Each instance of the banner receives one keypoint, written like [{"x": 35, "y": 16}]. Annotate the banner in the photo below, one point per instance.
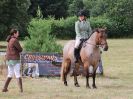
[{"x": 42, "y": 64}]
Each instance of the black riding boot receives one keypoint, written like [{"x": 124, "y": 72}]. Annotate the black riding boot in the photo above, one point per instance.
[{"x": 76, "y": 54}]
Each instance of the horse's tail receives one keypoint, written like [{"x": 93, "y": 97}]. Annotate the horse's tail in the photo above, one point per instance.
[{"x": 65, "y": 68}]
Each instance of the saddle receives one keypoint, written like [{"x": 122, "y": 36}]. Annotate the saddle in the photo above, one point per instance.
[
  {"x": 77, "y": 55},
  {"x": 79, "y": 49}
]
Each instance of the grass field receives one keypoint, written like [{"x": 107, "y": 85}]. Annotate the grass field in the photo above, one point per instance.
[{"x": 117, "y": 82}]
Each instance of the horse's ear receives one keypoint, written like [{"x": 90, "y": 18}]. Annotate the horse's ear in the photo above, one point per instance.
[{"x": 97, "y": 30}]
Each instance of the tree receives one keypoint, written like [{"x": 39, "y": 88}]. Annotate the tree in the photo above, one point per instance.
[
  {"x": 13, "y": 13},
  {"x": 96, "y": 7},
  {"x": 56, "y": 8},
  {"x": 75, "y": 6},
  {"x": 40, "y": 39},
  {"x": 121, "y": 12},
  {"x": 32, "y": 10}
]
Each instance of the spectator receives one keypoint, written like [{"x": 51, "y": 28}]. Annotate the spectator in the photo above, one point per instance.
[{"x": 13, "y": 59}]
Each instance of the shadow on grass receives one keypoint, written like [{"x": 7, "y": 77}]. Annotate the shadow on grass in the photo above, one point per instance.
[
  {"x": 108, "y": 77},
  {"x": 118, "y": 87}
]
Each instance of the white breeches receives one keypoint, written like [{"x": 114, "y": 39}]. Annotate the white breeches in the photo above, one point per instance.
[
  {"x": 14, "y": 69},
  {"x": 77, "y": 43}
]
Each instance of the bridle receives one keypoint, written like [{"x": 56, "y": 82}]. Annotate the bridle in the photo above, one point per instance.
[{"x": 96, "y": 45}]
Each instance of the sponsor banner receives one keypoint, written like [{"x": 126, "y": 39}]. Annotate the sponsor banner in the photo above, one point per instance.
[{"x": 49, "y": 64}]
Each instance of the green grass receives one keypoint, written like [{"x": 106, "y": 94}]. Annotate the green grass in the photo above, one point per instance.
[{"x": 115, "y": 84}]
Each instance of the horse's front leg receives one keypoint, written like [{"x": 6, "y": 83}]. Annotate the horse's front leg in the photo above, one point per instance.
[
  {"x": 87, "y": 80},
  {"x": 65, "y": 79},
  {"x": 86, "y": 74},
  {"x": 76, "y": 81},
  {"x": 94, "y": 76},
  {"x": 75, "y": 75}
]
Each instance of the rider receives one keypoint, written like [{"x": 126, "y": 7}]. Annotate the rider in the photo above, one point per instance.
[{"x": 83, "y": 30}]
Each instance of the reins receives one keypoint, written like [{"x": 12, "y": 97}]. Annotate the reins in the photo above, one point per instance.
[
  {"x": 94, "y": 44},
  {"x": 91, "y": 44},
  {"x": 97, "y": 45}
]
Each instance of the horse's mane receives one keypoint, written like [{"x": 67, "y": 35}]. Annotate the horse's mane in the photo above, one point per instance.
[
  {"x": 93, "y": 31},
  {"x": 97, "y": 30}
]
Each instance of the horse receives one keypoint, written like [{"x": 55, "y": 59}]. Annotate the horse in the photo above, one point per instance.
[{"x": 89, "y": 56}]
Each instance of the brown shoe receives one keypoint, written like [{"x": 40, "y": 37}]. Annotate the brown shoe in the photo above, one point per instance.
[{"x": 6, "y": 84}]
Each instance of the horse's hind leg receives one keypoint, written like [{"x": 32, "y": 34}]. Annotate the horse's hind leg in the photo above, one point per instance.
[
  {"x": 65, "y": 78},
  {"x": 65, "y": 70},
  {"x": 94, "y": 76}
]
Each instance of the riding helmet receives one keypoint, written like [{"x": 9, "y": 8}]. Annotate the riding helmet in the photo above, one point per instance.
[{"x": 81, "y": 13}]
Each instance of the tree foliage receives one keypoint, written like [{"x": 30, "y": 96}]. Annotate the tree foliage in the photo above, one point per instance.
[
  {"x": 56, "y": 8},
  {"x": 121, "y": 12},
  {"x": 13, "y": 14},
  {"x": 40, "y": 39},
  {"x": 75, "y": 6}
]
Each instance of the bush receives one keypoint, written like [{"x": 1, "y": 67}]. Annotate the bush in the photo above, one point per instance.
[
  {"x": 115, "y": 29},
  {"x": 64, "y": 28},
  {"x": 102, "y": 22},
  {"x": 43, "y": 32},
  {"x": 40, "y": 39}
]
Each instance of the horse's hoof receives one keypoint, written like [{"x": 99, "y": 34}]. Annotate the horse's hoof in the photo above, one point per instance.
[
  {"x": 4, "y": 90},
  {"x": 71, "y": 74},
  {"x": 94, "y": 87},
  {"x": 87, "y": 86},
  {"x": 77, "y": 85},
  {"x": 65, "y": 83}
]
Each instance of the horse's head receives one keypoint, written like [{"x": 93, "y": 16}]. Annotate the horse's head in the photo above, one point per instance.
[{"x": 101, "y": 38}]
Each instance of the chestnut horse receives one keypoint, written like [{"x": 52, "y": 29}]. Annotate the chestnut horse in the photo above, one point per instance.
[{"x": 90, "y": 56}]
